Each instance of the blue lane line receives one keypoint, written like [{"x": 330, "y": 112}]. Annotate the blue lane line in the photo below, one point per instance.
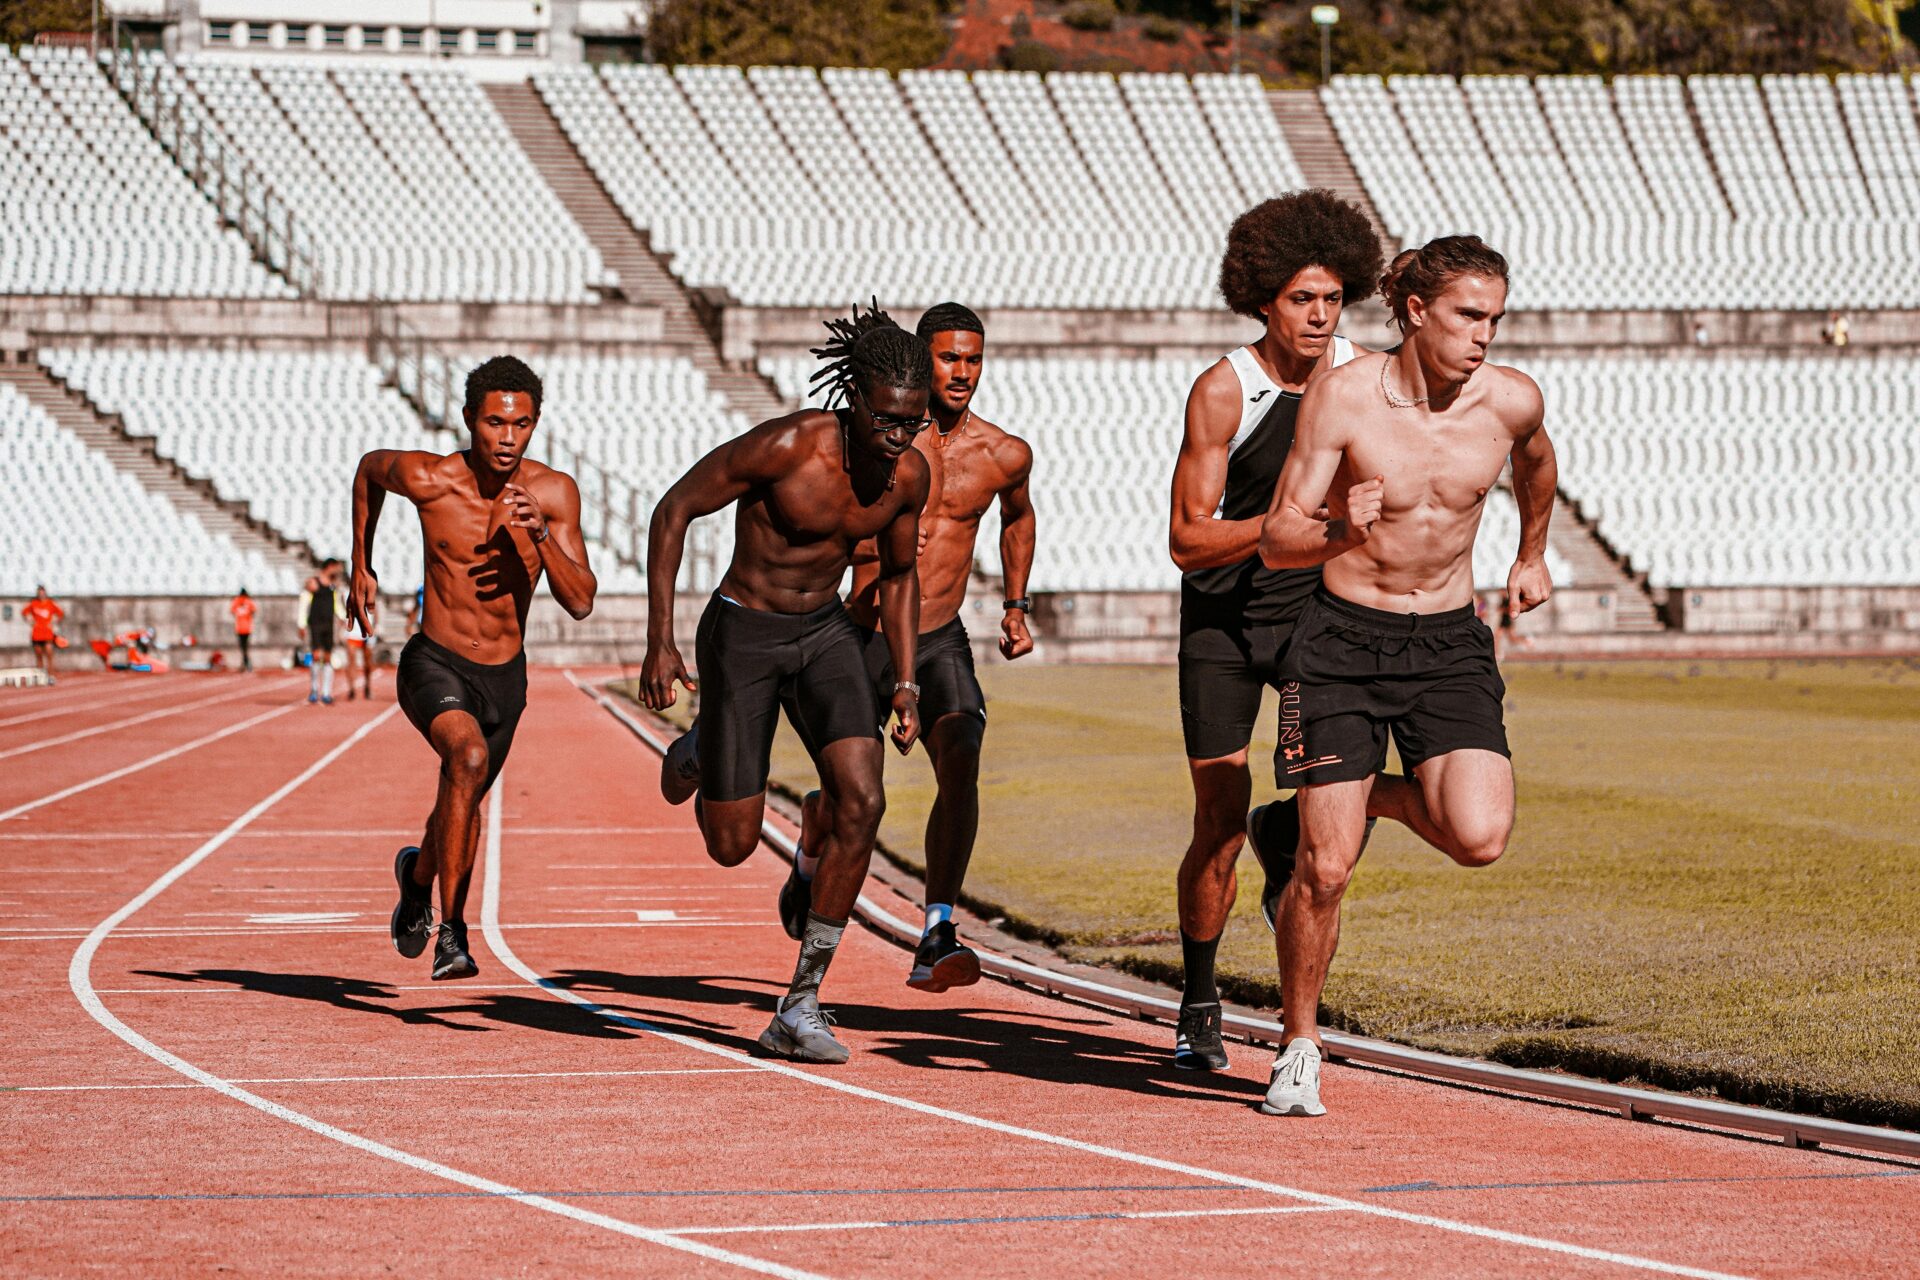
[
  {"x": 1636, "y": 1182},
  {"x": 597, "y": 1195}
]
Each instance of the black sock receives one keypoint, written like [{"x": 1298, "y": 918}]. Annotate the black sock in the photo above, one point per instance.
[{"x": 1198, "y": 958}]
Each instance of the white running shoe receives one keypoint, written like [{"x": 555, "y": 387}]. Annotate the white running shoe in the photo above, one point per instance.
[
  {"x": 803, "y": 1032},
  {"x": 1295, "y": 1090}
]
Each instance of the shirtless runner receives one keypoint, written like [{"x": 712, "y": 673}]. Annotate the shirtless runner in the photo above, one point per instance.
[
  {"x": 807, "y": 489},
  {"x": 972, "y": 465},
  {"x": 1403, "y": 447},
  {"x": 493, "y": 522}
]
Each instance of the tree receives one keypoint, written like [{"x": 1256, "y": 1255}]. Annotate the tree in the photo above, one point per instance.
[
  {"x": 22, "y": 20},
  {"x": 815, "y": 33}
]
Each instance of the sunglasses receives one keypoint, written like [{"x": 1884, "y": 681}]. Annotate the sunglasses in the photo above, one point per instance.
[{"x": 885, "y": 422}]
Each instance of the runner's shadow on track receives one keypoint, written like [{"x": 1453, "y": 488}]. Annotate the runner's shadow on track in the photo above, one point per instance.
[
  {"x": 534, "y": 1013},
  {"x": 1059, "y": 1049},
  {"x": 667, "y": 990}
]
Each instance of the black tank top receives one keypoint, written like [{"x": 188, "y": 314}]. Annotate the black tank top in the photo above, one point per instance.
[
  {"x": 1249, "y": 593},
  {"x": 320, "y": 614}
]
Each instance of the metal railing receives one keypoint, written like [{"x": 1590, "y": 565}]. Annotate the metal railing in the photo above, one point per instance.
[
  {"x": 244, "y": 198},
  {"x": 613, "y": 512}
]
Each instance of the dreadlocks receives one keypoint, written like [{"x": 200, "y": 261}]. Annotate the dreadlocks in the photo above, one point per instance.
[{"x": 868, "y": 351}]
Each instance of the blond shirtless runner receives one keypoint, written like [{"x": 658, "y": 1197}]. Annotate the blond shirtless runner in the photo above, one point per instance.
[
  {"x": 1403, "y": 448},
  {"x": 973, "y": 464}
]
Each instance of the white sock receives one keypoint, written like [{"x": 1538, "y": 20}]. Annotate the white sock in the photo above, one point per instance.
[
  {"x": 805, "y": 863},
  {"x": 326, "y": 679},
  {"x": 937, "y": 913}
]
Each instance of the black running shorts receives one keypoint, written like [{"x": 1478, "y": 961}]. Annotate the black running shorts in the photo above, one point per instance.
[
  {"x": 942, "y": 667},
  {"x": 1354, "y": 674},
  {"x": 432, "y": 679},
  {"x": 1225, "y": 665},
  {"x": 750, "y": 662}
]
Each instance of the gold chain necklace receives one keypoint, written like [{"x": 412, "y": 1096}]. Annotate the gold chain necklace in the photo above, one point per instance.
[{"x": 1394, "y": 401}]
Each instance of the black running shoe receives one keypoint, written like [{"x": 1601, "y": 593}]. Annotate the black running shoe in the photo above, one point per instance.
[
  {"x": 680, "y": 767},
  {"x": 450, "y": 958},
  {"x": 1273, "y": 834},
  {"x": 1196, "y": 1041},
  {"x": 941, "y": 962},
  {"x": 796, "y": 899},
  {"x": 412, "y": 922}
]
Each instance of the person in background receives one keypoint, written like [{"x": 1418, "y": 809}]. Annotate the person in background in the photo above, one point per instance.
[
  {"x": 323, "y": 608},
  {"x": 243, "y": 609},
  {"x": 45, "y": 614},
  {"x": 359, "y": 657}
]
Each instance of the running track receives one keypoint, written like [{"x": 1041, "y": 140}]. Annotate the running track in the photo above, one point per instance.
[{"x": 214, "y": 1060}]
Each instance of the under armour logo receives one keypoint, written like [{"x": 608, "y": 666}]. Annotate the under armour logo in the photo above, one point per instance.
[
  {"x": 1294, "y": 753},
  {"x": 1262, "y": 396}
]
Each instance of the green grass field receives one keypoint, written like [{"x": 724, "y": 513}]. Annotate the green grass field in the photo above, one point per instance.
[{"x": 1714, "y": 881}]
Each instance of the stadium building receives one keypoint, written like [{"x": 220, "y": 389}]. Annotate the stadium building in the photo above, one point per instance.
[{"x": 241, "y": 242}]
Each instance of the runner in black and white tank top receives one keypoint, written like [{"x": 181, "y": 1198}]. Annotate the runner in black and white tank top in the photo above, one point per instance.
[{"x": 1249, "y": 592}]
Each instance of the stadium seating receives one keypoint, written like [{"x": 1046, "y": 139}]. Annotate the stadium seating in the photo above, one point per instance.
[
  {"x": 1104, "y": 435},
  {"x": 85, "y": 528},
  {"x": 788, "y": 187},
  {"x": 1605, "y": 199},
  {"x": 1732, "y": 471},
  {"x": 409, "y": 184},
  {"x": 90, "y": 203}
]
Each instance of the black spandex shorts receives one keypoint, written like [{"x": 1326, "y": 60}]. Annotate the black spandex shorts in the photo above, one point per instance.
[
  {"x": 1225, "y": 665},
  {"x": 432, "y": 678},
  {"x": 1355, "y": 673},
  {"x": 942, "y": 667},
  {"x": 750, "y": 662}
]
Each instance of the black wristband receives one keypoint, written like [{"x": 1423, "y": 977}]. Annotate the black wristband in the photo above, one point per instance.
[{"x": 1024, "y": 604}]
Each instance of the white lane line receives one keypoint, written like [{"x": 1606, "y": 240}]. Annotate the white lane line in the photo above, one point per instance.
[
  {"x": 246, "y": 991},
  {"x": 55, "y": 933},
  {"x": 50, "y": 712},
  {"x": 476, "y": 1075},
  {"x": 1112, "y": 1215},
  {"x": 80, "y": 979},
  {"x": 365, "y": 833},
  {"x": 160, "y": 758},
  {"x": 163, "y": 713},
  {"x": 496, "y": 940}
]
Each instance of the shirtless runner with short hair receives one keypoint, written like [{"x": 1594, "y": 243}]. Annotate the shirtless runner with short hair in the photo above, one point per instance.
[
  {"x": 807, "y": 489},
  {"x": 1404, "y": 447},
  {"x": 973, "y": 464},
  {"x": 493, "y": 521}
]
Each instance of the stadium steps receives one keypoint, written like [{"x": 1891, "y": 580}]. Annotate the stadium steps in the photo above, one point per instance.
[
  {"x": 1706, "y": 147},
  {"x": 1594, "y": 564},
  {"x": 106, "y": 434},
  {"x": 644, "y": 278},
  {"x": 1317, "y": 150}
]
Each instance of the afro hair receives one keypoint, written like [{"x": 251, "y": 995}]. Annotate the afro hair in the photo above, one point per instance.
[{"x": 1275, "y": 240}]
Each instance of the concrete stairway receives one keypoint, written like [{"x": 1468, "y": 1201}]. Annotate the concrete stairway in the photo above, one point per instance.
[
  {"x": 154, "y": 472},
  {"x": 1318, "y": 151},
  {"x": 644, "y": 278},
  {"x": 1595, "y": 565}
]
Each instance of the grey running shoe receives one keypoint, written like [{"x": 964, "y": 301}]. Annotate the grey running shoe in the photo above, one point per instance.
[
  {"x": 1196, "y": 1042},
  {"x": 941, "y": 962},
  {"x": 680, "y": 767},
  {"x": 1295, "y": 1087},
  {"x": 450, "y": 958},
  {"x": 412, "y": 923},
  {"x": 796, "y": 899},
  {"x": 803, "y": 1032},
  {"x": 1273, "y": 834}
]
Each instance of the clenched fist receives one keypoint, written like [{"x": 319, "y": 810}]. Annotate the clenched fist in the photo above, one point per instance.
[{"x": 1363, "y": 508}]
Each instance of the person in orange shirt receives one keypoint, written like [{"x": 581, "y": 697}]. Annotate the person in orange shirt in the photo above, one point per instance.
[
  {"x": 43, "y": 613},
  {"x": 243, "y": 610}
]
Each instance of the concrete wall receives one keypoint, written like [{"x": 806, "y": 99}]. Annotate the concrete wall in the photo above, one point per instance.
[
  {"x": 1786, "y": 610},
  {"x": 56, "y": 321}
]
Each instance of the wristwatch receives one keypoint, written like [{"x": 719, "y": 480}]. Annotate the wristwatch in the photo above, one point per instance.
[
  {"x": 1024, "y": 604},
  {"x": 545, "y": 533},
  {"x": 909, "y": 686}
]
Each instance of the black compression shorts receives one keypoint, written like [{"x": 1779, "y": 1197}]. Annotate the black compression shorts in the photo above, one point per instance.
[
  {"x": 750, "y": 662},
  {"x": 1225, "y": 665},
  {"x": 432, "y": 679},
  {"x": 942, "y": 667},
  {"x": 1355, "y": 673}
]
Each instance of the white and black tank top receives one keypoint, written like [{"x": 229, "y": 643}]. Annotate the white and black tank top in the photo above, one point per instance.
[{"x": 1249, "y": 591}]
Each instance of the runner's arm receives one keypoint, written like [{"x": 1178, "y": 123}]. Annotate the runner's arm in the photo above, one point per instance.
[
  {"x": 1536, "y": 477},
  {"x": 899, "y": 589},
  {"x": 380, "y": 472},
  {"x": 1197, "y": 539},
  {"x": 1293, "y": 534},
  {"x": 562, "y": 549},
  {"x": 1017, "y": 530}
]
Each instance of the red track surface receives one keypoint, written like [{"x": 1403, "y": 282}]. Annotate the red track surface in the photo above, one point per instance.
[{"x": 239, "y": 1073}]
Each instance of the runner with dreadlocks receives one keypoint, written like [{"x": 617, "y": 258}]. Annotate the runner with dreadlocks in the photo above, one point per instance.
[{"x": 807, "y": 489}]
